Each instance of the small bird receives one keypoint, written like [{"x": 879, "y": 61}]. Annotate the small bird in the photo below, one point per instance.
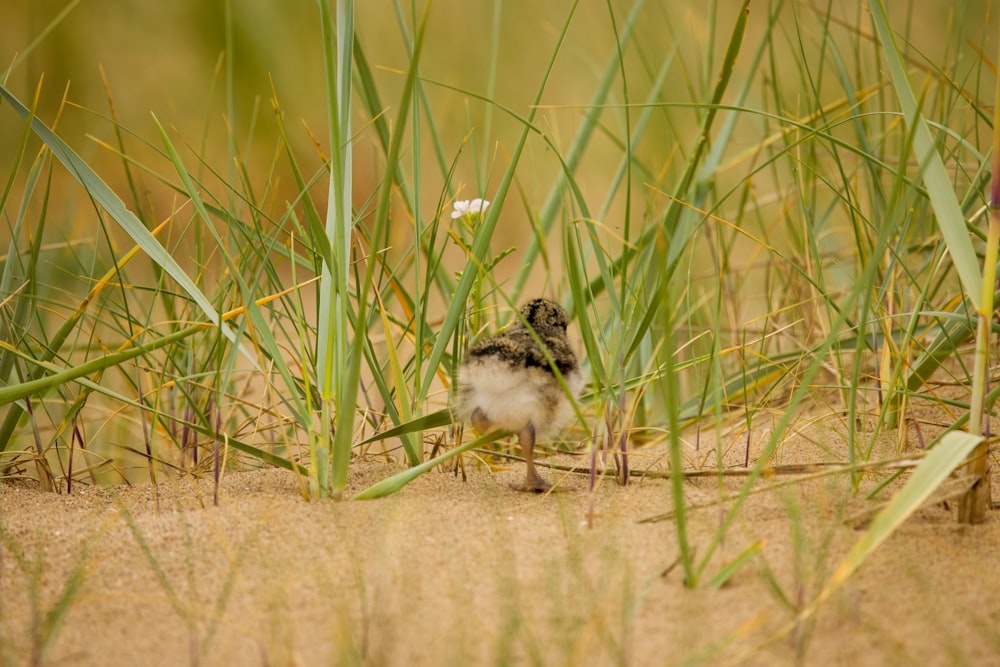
[{"x": 507, "y": 382}]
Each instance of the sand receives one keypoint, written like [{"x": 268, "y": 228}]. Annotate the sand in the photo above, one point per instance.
[{"x": 461, "y": 572}]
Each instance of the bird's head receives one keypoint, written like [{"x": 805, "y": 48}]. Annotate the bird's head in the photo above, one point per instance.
[{"x": 543, "y": 315}]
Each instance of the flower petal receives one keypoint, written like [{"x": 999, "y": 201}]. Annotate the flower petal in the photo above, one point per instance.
[{"x": 461, "y": 207}]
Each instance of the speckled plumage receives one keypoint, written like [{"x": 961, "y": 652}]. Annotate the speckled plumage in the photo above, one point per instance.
[{"x": 507, "y": 382}]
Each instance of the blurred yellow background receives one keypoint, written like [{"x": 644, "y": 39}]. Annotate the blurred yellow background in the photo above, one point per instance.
[{"x": 168, "y": 59}]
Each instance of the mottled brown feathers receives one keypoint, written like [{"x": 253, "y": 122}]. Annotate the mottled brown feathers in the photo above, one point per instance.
[{"x": 518, "y": 347}]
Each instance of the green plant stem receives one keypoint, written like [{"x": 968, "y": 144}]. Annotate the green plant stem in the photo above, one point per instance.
[
  {"x": 975, "y": 503},
  {"x": 332, "y": 339}
]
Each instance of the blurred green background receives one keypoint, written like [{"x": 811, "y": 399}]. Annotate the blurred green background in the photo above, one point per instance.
[{"x": 167, "y": 58}]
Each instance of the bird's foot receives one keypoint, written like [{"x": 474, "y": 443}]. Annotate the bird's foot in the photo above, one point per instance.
[{"x": 539, "y": 485}]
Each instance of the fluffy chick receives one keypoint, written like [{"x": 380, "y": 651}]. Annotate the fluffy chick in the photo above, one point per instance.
[{"x": 507, "y": 382}]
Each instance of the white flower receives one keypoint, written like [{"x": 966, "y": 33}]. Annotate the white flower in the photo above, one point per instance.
[{"x": 466, "y": 207}]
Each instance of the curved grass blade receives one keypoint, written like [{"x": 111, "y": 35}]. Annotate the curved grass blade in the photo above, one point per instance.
[
  {"x": 947, "y": 211},
  {"x": 393, "y": 484},
  {"x": 110, "y": 202},
  {"x": 9, "y": 423},
  {"x": 434, "y": 420},
  {"x": 733, "y": 566},
  {"x": 939, "y": 463},
  {"x": 61, "y": 376}
]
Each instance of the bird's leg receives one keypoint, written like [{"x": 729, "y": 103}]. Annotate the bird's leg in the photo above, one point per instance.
[
  {"x": 480, "y": 421},
  {"x": 533, "y": 482}
]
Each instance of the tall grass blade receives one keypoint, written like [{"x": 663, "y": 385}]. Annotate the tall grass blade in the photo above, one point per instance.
[
  {"x": 669, "y": 253},
  {"x": 333, "y": 333},
  {"x": 127, "y": 220},
  {"x": 975, "y": 503},
  {"x": 58, "y": 376},
  {"x": 939, "y": 463},
  {"x": 947, "y": 211},
  {"x": 343, "y": 438}
]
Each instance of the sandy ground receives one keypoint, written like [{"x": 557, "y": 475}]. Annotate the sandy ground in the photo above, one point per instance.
[{"x": 453, "y": 572}]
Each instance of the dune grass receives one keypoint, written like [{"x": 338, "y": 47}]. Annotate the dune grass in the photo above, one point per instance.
[{"x": 778, "y": 212}]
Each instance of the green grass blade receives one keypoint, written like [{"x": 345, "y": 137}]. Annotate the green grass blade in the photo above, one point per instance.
[
  {"x": 437, "y": 419},
  {"x": 332, "y": 337},
  {"x": 948, "y": 212},
  {"x": 733, "y": 566},
  {"x": 57, "y": 377},
  {"x": 115, "y": 207},
  {"x": 393, "y": 484},
  {"x": 343, "y": 439},
  {"x": 939, "y": 463}
]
